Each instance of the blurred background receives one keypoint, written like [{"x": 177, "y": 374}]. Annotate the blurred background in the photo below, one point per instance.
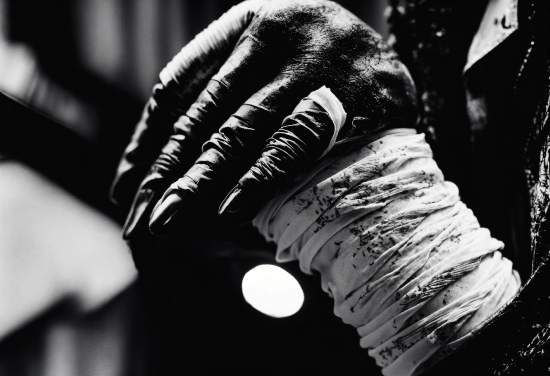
[{"x": 76, "y": 75}]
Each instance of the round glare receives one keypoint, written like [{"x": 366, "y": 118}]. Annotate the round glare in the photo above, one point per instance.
[{"x": 272, "y": 291}]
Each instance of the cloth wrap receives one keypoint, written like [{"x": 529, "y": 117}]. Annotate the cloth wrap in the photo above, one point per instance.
[{"x": 406, "y": 262}]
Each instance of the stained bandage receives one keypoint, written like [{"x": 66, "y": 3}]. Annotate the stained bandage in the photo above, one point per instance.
[
  {"x": 405, "y": 260},
  {"x": 333, "y": 107}
]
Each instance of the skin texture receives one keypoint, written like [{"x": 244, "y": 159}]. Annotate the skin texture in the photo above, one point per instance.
[{"x": 229, "y": 90}]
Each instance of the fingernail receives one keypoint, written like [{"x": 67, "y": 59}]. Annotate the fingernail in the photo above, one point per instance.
[
  {"x": 232, "y": 202},
  {"x": 141, "y": 204},
  {"x": 164, "y": 212}
]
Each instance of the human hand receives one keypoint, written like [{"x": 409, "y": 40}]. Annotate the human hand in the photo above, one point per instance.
[{"x": 227, "y": 92}]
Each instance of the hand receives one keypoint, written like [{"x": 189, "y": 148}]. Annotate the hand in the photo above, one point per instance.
[{"x": 227, "y": 92}]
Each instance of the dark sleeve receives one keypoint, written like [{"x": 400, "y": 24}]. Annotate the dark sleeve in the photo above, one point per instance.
[
  {"x": 434, "y": 48},
  {"x": 432, "y": 39}
]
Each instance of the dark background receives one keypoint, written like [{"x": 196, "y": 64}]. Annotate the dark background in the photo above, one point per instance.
[{"x": 100, "y": 59}]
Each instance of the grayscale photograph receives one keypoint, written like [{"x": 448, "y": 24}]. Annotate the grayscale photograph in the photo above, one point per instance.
[{"x": 275, "y": 187}]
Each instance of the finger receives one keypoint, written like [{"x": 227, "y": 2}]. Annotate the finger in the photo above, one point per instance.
[
  {"x": 227, "y": 156},
  {"x": 181, "y": 81},
  {"x": 249, "y": 67},
  {"x": 304, "y": 137}
]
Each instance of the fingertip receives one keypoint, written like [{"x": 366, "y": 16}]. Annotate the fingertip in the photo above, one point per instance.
[
  {"x": 139, "y": 209},
  {"x": 126, "y": 184},
  {"x": 231, "y": 204},
  {"x": 243, "y": 202},
  {"x": 163, "y": 213}
]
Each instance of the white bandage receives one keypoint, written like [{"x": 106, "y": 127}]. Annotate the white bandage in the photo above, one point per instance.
[
  {"x": 332, "y": 105},
  {"x": 406, "y": 262}
]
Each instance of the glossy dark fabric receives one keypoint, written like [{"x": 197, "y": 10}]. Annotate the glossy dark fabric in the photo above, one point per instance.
[{"x": 516, "y": 341}]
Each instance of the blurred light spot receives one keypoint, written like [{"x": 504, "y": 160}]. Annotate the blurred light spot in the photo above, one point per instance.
[{"x": 272, "y": 291}]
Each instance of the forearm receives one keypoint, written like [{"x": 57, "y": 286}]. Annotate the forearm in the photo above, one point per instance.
[{"x": 406, "y": 262}]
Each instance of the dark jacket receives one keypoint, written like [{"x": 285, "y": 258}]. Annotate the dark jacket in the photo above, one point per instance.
[{"x": 501, "y": 169}]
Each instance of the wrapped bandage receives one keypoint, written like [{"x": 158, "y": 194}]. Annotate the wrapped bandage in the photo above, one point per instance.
[
  {"x": 323, "y": 100},
  {"x": 405, "y": 261}
]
